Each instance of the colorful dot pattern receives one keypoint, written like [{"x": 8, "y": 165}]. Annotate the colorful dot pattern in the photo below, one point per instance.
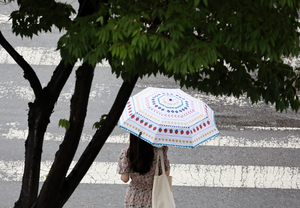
[{"x": 169, "y": 117}]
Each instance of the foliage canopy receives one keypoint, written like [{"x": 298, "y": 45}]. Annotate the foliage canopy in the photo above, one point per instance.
[{"x": 191, "y": 41}]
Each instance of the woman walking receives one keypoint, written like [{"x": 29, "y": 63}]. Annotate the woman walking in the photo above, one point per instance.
[{"x": 138, "y": 163}]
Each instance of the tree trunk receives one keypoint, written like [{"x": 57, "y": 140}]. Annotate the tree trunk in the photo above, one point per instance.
[
  {"x": 38, "y": 120},
  {"x": 51, "y": 189},
  {"x": 39, "y": 115}
]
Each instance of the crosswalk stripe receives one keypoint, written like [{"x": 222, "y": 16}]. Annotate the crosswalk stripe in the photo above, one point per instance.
[
  {"x": 183, "y": 175},
  {"x": 230, "y": 141},
  {"x": 33, "y": 55},
  {"x": 38, "y": 56},
  {"x": 5, "y": 19},
  {"x": 290, "y": 141}
]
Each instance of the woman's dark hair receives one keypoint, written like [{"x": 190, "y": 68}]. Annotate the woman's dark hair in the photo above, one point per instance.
[{"x": 140, "y": 155}]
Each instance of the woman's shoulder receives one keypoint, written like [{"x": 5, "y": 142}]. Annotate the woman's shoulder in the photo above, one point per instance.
[{"x": 124, "y": 151}]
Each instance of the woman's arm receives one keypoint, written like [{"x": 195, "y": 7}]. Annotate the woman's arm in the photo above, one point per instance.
[
  {"x": 125, "y": 177},
  {"x": 167, "y": 148},
  {"x": 123, "y": 167}
]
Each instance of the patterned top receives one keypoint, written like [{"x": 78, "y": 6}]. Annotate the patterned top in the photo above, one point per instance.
[{"x": 139, "y": 192}]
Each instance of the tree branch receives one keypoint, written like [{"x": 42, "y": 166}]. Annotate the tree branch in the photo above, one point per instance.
[
  {"x": 100, "y": 137},
  {"x": 59, "y": 78},
  {"x": 64, "y": 156},
  {"x": 29, "y": 73}
]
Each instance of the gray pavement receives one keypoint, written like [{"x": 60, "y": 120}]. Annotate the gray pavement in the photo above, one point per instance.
[{"x": 237, "y": 119}]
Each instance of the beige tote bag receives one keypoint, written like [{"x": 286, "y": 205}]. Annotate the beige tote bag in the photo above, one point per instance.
[{"x": 162, "y": 196}]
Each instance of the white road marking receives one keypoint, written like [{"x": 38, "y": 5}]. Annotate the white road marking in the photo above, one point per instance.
[
  {"x": 20, "y": 92},
  {"x": 236, "y": 176},
  {"x": 10, "y": 89},
  {"x": 183, "y": 175},
  {"x": 33, "y": 55},
  {"x": 5, "y": 19},
  {"x": 224, "y": 100},
  {"x": 290, "y": 141},
  {"x": 37, "y": 56},
  {"x": 264, "y": 128}
]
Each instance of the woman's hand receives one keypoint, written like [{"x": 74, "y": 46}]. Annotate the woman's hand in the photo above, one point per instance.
[
  {"x": 125, "y": 177},
  {"x": 166, "y": 148}
]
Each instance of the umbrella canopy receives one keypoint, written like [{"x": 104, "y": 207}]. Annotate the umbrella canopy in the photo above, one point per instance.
[{"x": 168, "y": 117}]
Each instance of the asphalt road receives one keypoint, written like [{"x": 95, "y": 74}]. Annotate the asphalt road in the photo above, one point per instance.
[{"x": 253, "y": 163}]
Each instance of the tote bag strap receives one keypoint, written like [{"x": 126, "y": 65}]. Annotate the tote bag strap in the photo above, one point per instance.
[{"x": 161, "y": 156}]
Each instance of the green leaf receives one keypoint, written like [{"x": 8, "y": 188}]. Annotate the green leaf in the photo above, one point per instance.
[
  {"x": 99, "y": 123},
  {"x": 101, "y": 20},
  {"x": 64, "y": 124},
  {"x": 196, "y": 2}
]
